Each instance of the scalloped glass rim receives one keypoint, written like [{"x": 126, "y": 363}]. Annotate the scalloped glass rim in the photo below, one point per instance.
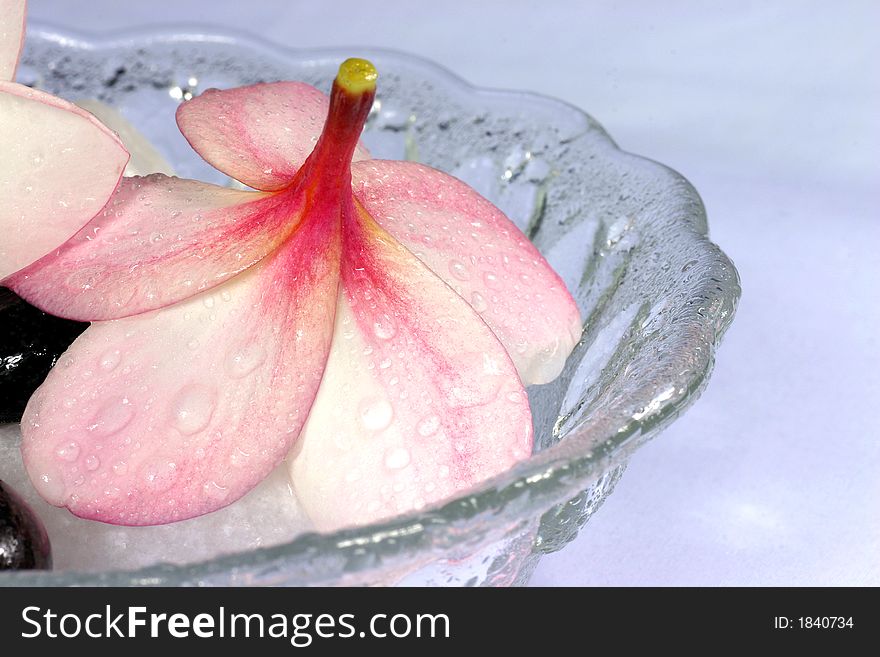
[{"x": 592, "y": 448}]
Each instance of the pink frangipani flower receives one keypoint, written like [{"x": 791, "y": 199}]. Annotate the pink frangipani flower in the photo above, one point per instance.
[
  {"x": 371, "y": 321},
  {"x": 59, "y": 165}
]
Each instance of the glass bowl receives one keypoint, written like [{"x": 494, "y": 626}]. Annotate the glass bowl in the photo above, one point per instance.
[{"x": 628, "y": 235}]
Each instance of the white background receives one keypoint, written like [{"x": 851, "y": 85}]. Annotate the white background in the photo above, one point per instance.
[{"x": 772, "y": 110}]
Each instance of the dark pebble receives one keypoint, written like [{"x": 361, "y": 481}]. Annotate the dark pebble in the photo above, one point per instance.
[
  {"x": 24, "y": 544},
  {"x": 30, "y": 343}
]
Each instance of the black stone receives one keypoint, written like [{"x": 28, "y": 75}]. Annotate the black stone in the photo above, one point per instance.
[
  {"x": 24, "y": 543},
  {"x": 30, "y": 343}
]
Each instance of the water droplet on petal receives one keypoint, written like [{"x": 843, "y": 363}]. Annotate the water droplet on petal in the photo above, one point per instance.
[
  {"x": 397, "y": 458},
  {"x": 491, "y": 280},
  {"x": 110, "y": 360},
  {"x": 159, "y": 474},
  {"x": 215, "y": 491},
  {"x": 459, "y": 270},
  {"x": 428, "y": 426},
  {"x": 376, "y": 414},
  {"x": 192, "y": 408},
  {"x": 112, "y": 417},
  {"x": 67, "y": 451},
  {"x": 384, "y": 327},
  {"x": 478, "y": 302},
  {"x": 51, "y": 487},
  {"x": 242, "y": 361},
  {"x": 239, "y": 457},
  {"x": 92, "y": 463}
]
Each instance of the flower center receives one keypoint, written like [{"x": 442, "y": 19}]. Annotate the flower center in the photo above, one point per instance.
[{"x": 329, "y": 165}]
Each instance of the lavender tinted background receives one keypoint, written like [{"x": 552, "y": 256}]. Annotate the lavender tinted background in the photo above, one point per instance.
[{"x": 770, "y": 111}]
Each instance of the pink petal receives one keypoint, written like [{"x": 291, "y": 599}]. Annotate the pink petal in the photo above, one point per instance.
[
  {"x": 177, "y": 413},
  {"x": 158, "y": 241},
  {"x": 12, "y": 20},
  {"x": 481, "y": 254},
  {"x": 59, "y": 167},
  {"x": 419, "y": 399},
  {"x": 260, "y": 134}
]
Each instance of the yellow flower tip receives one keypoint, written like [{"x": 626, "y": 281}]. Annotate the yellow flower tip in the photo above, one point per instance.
[{"x": 357, "y": 76}]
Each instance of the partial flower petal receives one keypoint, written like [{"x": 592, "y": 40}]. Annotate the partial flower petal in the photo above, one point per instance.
[
  {"x": 419, "y": 399},
  {"x": 158, "y": 241},
  {"x": 59, "y": 167},
  {"x": 259, "y": 134},
  {"x": 12, "y": 20},
  {"x": 481, "y": 254},
  {"x": 145, "y": 159},
  {"x": 177, "y": 413}
]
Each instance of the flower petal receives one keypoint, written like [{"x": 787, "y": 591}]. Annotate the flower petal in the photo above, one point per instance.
[
  {"x": 259, "y": 134},
  {"x": 12, "y": 20},
  {"x": 481, "y": 254},
  {"x": 59, "y": 167},
  {"x": 177, "y": 413},
  {"x": 419, "y": 399},
  {"x": 158, "y": 241}
]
